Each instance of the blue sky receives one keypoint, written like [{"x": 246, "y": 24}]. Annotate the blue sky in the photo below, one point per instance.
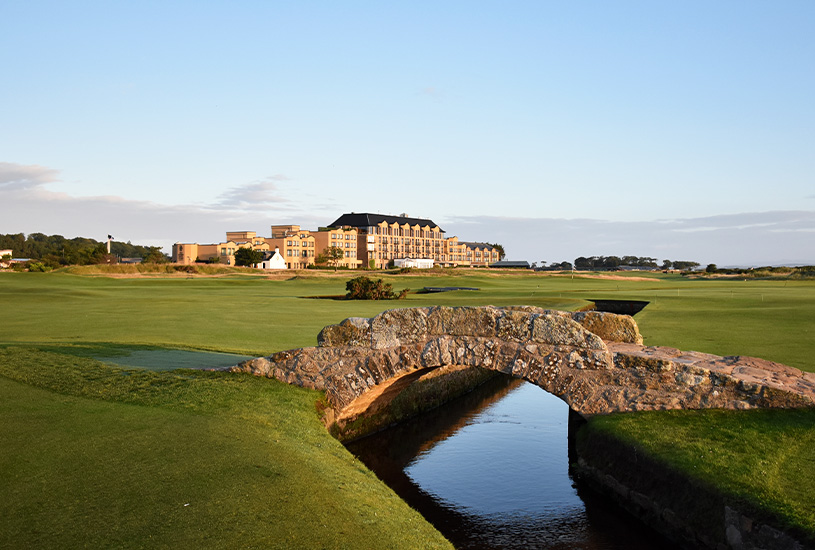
[{"x": 682, "y": 130}]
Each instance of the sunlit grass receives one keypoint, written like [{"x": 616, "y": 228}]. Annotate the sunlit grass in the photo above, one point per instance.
[
  {"x": 95, "y": 456},
  {"x": 256, "y": 316},
  {"x": 99, "y": 457},
  {"x": 762, "y": 459}
]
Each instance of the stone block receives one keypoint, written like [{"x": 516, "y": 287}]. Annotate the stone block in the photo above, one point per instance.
[
  {"x": 397, "y": 327},
  {"x": 610, "y": 326},
  {"x": 557, "y": 330},
  {"x": 463, "y": 321},
  {"x": 354, "y": 331},
  {"x": 515, "y": 326}
]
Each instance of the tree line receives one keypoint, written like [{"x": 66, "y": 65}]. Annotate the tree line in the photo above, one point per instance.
[
  {"x": 594, "y": 263},
  {"x": 56, "y": 250}
]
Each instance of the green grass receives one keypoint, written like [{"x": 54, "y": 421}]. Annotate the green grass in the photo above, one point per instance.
[
  {"x": 256, "y": 316},
  {"x": 762, "y": 459},
  {"x": 96, "y": 456}
]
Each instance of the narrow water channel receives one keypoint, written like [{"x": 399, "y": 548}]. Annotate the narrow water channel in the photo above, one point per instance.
[{"x": 491, "y": 470}]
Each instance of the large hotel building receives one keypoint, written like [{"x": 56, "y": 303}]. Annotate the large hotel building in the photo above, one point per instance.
[{"x": 373, "y": 241}]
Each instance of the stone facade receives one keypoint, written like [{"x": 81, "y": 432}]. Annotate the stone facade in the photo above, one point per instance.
[{"x": 594, "y": 361}]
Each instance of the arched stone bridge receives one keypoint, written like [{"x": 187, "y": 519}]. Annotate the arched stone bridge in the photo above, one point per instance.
[{"x": 593, "y": 361}]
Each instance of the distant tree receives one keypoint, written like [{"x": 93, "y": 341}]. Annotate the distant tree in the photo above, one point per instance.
[
  {"x": 56, "y": 250},
  {"x": 156, "y": 256},
  {"x": 331, "y": 256},
  {"x": 684, "y": 265},
  {"x": 562, "y": 266},
  {"x": 500, "y": 249},
  {"x": 667, "y": 264},
  {"x": 711, "y": 268},
  {"x": 95, "y": 255},
  {"x": 584, "y": 263},
  {"x": 248, "y": 257}
]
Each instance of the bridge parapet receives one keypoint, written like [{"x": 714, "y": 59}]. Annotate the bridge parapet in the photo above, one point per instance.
[
  {"x": 592, "y": 360},
  {"x": 397, "y": 327}
]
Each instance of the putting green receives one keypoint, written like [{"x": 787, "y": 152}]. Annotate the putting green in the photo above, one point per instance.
[{"x": 171, "y": 359}]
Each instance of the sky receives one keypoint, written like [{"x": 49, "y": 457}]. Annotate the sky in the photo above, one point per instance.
[{"x": 675, "y": 130}]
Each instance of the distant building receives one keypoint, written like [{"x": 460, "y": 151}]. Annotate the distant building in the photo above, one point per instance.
[
  {"x": 512, "y": 264},
  {"x": 418, "y": 263},
  {"x": 383, "y": 239},
  {"x": 367, "y": 240},
  {"x": 5, "y": 252},
  {"x": 346, "y": 238},
  {"x": 273, "y": 260}
]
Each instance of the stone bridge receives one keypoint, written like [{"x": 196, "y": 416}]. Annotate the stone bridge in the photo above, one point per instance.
[{"x": 593, "y": 361}]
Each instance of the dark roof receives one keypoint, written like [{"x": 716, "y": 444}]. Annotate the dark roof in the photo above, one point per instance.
[
  {"x": 511, "y": 263},
  {"x": 367, "y": 220}
]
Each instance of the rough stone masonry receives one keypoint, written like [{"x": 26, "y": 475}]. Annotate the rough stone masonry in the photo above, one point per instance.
[{"x": 592, "y": 360}]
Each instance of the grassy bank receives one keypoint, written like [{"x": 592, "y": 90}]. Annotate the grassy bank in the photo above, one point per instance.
[
  {"x": 91, "y": 451},
  {"x": 97, "y": 457},
  {"x": 759, "y": 462}
]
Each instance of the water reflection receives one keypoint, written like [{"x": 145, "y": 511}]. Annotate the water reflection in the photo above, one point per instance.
[{"x": 490, "y": 470}]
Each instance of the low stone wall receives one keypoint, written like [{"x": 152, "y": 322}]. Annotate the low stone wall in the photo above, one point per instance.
[{"x": 697, "y": 516}]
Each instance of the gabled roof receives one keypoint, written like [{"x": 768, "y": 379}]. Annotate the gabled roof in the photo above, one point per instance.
[
  {"x": 481, "y": 246},
  {"x": 367, "y": 220}
]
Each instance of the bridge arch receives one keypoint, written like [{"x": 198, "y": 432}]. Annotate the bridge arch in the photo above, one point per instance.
[{"x": 593, "y": 361}]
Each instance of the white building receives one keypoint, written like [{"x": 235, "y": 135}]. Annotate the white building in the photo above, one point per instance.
[
  {"x": 273, "y": 260},
  {"x": 419, "y": 263}
]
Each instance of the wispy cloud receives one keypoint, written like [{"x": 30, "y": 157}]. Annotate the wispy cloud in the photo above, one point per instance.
[
  {"x": 734, "y": 239},
  {"x": 431, "y": 92},
  {"x": 21, "y": 176},
  {"x": 29, "y": 206},
  {"x": 255, "y": 195}
]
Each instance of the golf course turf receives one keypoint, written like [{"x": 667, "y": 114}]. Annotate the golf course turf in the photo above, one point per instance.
[{"x": 95, "y": 455}]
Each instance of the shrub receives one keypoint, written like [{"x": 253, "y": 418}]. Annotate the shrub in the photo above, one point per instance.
[{"x": 39, "y": 267}]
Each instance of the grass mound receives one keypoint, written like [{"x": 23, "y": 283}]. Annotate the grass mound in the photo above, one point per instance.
[{"x": 99, "y": 457}]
